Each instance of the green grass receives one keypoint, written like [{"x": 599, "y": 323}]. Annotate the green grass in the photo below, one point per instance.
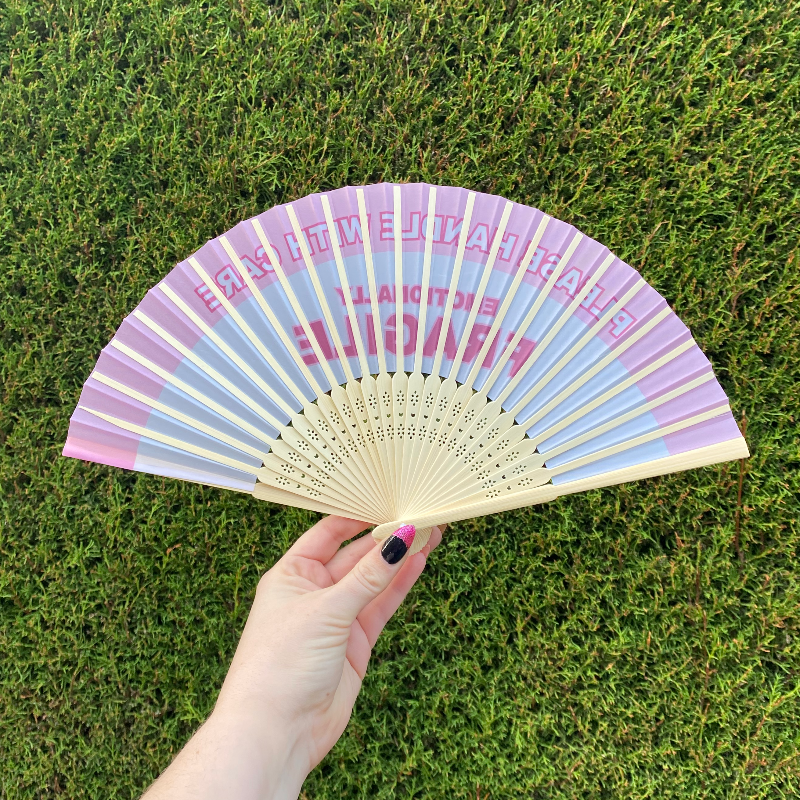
[{"x": 640, "y": 641}]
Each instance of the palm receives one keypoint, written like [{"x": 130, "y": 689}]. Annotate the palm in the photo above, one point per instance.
[
  {"x": 298, "y": 668},
  {"x": 331, "y": 657},
  {"x": 312, "y": 575}
]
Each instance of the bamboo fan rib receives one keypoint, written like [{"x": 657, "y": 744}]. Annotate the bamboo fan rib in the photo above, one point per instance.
[{"x": 404, "y": 354}]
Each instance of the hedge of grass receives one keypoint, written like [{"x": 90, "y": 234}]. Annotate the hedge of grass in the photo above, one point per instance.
[{"x": 639, "y": 641}]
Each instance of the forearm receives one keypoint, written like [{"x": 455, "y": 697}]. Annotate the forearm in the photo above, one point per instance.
[
  {"x": 298, "y": 667},
  {"x": 232, "y": 757}
]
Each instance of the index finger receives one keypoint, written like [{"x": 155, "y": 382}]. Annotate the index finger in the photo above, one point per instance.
[{"x": 321, "y": 541}]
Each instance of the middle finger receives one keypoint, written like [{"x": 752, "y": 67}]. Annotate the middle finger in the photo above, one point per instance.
[{"x": 348, "y": 556}]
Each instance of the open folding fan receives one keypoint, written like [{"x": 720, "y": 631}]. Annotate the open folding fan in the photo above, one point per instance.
[{"x": 404, "y": 354}]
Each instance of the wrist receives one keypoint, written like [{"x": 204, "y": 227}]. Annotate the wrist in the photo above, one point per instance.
[
  {"x": 261, "y": 753},
  {"x": 233, "y": 755}
]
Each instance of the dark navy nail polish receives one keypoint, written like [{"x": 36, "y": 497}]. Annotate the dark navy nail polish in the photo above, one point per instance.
[{"x": 396, "y": 546}]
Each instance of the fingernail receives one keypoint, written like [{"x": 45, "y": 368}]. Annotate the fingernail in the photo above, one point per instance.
[{"x": 396, "y": 546}]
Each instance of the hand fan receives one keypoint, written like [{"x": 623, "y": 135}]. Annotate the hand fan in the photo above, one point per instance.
[{"x": 404, "y": 354}]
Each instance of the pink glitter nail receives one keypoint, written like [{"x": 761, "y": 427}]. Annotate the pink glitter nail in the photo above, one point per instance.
[{"x": 406, "y": 533}]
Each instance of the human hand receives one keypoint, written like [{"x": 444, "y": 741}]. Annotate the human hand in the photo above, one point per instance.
[{"x": 298, "y": 668}]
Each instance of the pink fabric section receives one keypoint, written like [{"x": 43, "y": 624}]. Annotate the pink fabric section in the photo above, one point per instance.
[
  {"x": 244, "y": 240},
  {"x": 450, "y": 207},
  {"x": 140, "y": 338},
  {"x": 379, "y": 200},
  {"x": 118, "y": 366},
  {"x": 276, "y": 228},
  {"x": 662, "y": 338},
  {"x": 575, "y": 274},
  {"x": 696, "y": 401},
  {"x": 92, "y": 439},
  {"x": 680, "y": 370},
  {"x": 159, "y": 308},
  {"x": 99, "y": 397},
  {"x": 713, "y": 431},
  {"x": 87, "y": 449}
]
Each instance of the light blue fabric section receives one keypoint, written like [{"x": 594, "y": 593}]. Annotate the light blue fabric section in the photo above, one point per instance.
[
  {"x": 190, "y": 374},
  {"x": 625, "y": 401},
  {"x": 637, "y": 455},
  {"x": 159, "y": 459},
  {"x": 167, "y": 426},
  {"x": 622, "y": 433},
  {"x": 174, "y": 398},
  {"x": 231, "y": 334},
  {"x": 254, "y": 316},
  {"x": 610, "y": 376}
]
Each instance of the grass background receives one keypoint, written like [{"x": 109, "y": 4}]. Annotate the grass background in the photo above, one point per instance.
[{"x": 639, "y": 641}]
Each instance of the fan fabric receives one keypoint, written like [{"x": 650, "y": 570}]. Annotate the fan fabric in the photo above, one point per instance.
[{"x": 403, "y": 354}]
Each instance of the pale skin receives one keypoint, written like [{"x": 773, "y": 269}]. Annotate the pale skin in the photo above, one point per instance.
[{"x": 298, "y": 668}]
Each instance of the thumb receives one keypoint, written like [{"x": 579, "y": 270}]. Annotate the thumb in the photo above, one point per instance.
[{"x": 371, "y": 575}]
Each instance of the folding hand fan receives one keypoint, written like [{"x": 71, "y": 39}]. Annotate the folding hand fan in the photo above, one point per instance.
[{"x": 404, "y": 354}]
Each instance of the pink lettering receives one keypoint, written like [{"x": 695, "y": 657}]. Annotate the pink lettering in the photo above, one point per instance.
[
  {"x": 293, "y": 245},
  {"x": 549, "y": 264},
  {"x": 410, "y": 343},
  {"x": 437, "y": 227},
  {"x": 207, "y": 296},
  {"x": 522, "y": 352},
  {"x": 386, "y": 294},
  {"x": 479, "y": 238},
  {"x": 620, "y": 322},
  {"x": 317, "y": 234},
  {"x": 489, "y": 306},
  {"x": 387, "y": 225},
  {"x": 253, "y": 270},
  {"x": 507, "y": 245},
  {"x": 349, "y": 347},
  {"x": 350, "y": 229},
  {"x": 451, "y": 229},
  {"x": 413, "y": 231},
  {"x": 570, "y": 281},
  {"x": 536, "y": 259},
  {"x": 228, "y": 280},
  {"x": 431, "y": 343},
  {"x": 304, "y": 344},
  {"x": 477, "y": 336}
]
